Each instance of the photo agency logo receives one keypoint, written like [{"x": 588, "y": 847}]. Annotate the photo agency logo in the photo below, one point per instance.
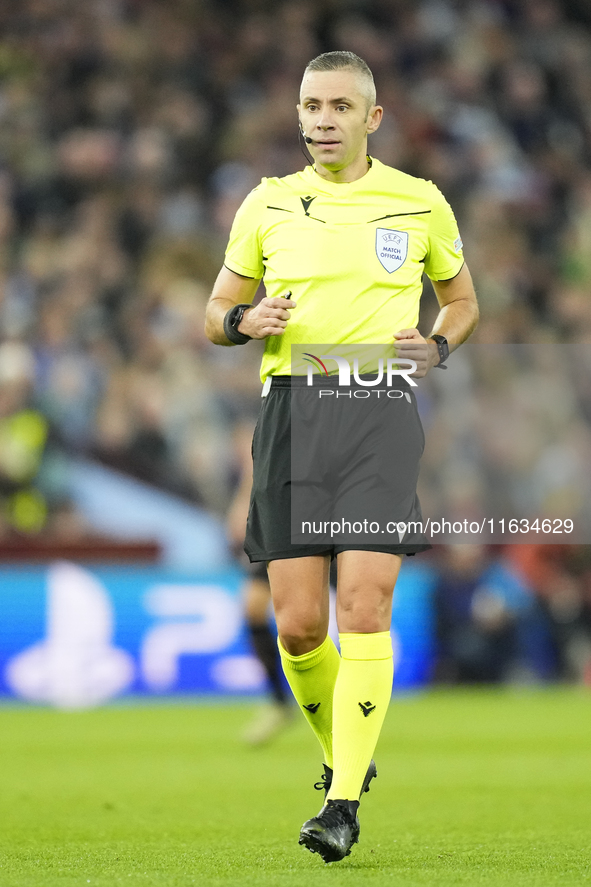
[{"x": 389, "y": 371}]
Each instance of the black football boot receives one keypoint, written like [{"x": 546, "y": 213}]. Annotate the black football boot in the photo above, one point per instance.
[{"x": 333, "y": 832}]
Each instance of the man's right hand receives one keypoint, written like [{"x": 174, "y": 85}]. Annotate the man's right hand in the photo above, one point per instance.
[{"x": 268, "y": 318}]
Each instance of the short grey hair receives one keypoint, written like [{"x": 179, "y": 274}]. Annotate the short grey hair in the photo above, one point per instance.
[{"x": 343, "y": 60}]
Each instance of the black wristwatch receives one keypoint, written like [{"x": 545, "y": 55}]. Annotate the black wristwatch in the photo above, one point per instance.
[
  {"x": 232, "y": 321},
  {"x": 443, "y": 349}
]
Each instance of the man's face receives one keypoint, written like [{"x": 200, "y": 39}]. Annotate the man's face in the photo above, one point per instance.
[{"x": 334, "y": 113}]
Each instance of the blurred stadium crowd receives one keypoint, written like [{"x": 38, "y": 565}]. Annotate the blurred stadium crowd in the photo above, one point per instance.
[{"x": 131, "y": 130}]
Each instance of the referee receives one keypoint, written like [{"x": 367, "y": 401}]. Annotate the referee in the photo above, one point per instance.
[{"x": 316, "y": 237}]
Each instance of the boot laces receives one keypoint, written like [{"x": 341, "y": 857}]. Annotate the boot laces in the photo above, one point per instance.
[{"x": 325, "y": 782}]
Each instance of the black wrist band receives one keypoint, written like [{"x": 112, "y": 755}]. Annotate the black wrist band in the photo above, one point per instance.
[
  {"x": 232, "y": 321},
  {"x": 443, "y": 350}
]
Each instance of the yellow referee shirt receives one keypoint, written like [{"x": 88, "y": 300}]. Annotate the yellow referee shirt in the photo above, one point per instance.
[{"x": 353, "y": 254}]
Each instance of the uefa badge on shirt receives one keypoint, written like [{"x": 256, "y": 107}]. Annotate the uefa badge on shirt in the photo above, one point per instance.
[{"x": 391, "y": 248}]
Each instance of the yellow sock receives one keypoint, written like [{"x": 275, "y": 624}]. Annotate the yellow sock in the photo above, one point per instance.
[
  {"x": 361, "y": 698},
  {"x": 312, "y": 678}
]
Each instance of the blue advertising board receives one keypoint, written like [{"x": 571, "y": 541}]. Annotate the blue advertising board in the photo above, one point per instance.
[{"x": 75, "y": 636}]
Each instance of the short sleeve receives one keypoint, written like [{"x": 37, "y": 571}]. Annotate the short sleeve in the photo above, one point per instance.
[
  {"x": 244, "y": 253},
  {"x": 445, "y": 257}
]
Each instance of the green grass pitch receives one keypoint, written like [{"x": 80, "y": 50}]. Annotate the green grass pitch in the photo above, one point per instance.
[{"x": 474, "y": 787}]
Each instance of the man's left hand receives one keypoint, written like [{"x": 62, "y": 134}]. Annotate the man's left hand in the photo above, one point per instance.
[{"x": 412, "y": 346}]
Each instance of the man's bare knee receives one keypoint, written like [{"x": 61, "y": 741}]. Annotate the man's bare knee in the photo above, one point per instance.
[
  {"x": 299, "y": 637},
  {"x": 300, "y": 597},
  {"x": 364, "y": 591},
  {"x": 300, "y": 633},
  {"x": 364, "y": 610},
  {"x": 360, "y": 619}
]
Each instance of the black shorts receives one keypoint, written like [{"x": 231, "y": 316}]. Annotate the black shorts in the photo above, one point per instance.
[{"x": 383, "y": 464}]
